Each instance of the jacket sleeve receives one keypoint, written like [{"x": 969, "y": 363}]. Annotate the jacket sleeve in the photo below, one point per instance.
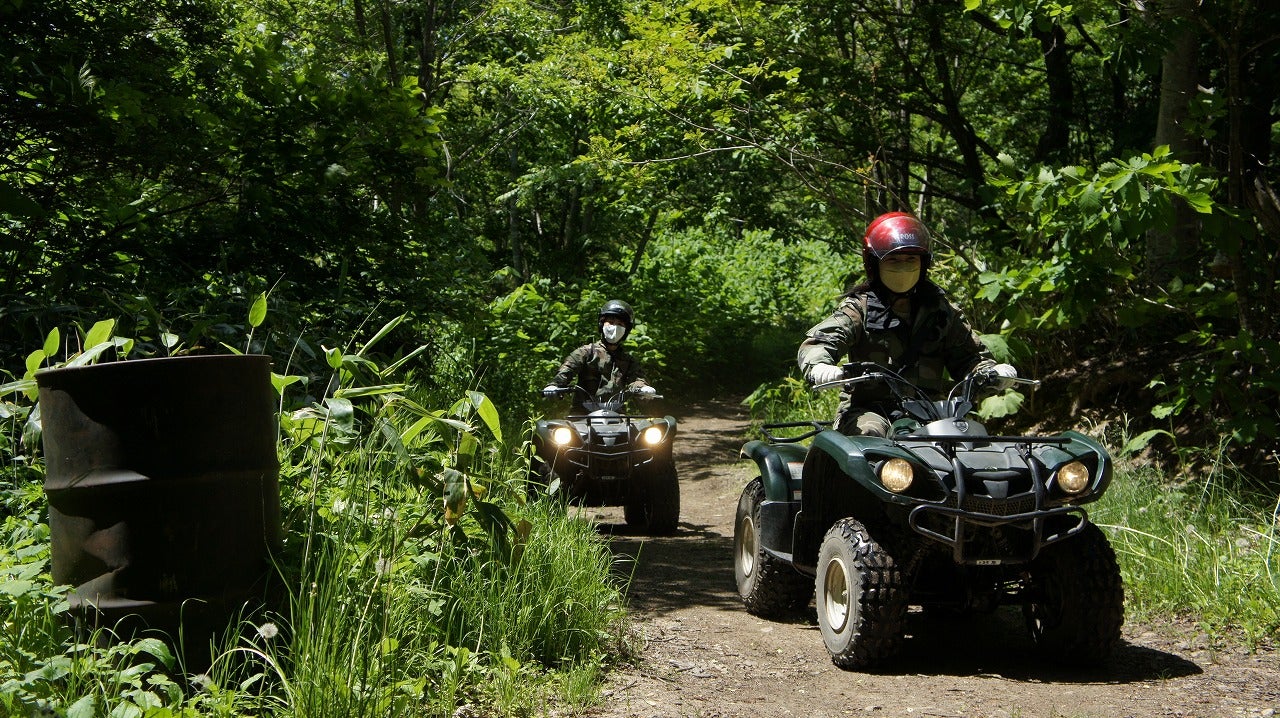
[
  {"x": 832, "y": 338},
  {"x": 634, "y": 378},
  {"x": 569, "y": 370}
]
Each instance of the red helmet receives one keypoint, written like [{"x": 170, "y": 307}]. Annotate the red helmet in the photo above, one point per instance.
[{"x": 896, "y": 232}]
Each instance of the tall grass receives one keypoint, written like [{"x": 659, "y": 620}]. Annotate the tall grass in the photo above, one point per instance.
[
  {"x": 414, "y": 580},
  {"x": 1198, "y": 551}
]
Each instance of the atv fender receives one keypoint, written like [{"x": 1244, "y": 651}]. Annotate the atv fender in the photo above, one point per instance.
[{"x": 780, "y": 466}]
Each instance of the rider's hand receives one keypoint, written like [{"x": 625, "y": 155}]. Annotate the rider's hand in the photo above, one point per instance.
[
  {"x": 1005, "y": 372},
  {"x": 825, "y": 373},
  {"x": 550, "y": 390},
  {"x": 646, "y": 389}
]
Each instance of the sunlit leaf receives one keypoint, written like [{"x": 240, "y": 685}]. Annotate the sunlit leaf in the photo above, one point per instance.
[
  {"x": 333, "y": 357},
  {"x": 258, "y": 312},
  {"x": 341, "y": 413},
  {"x": 385, "y": 330},
  {"x": 488, "y": 413},
  {"x": 34, "y": 360},
  {"x": 52, "y": 343},
  {"x": 358, "y": 391},
  {"x": 100, "y": 332},
  {"x": 1140, "y": 442},
  {"x": 468, "y": 444},
  {"x": 89, "y": 355},
  {"x": 86, "y": 707},
  {"x": 281, "y": 381}
]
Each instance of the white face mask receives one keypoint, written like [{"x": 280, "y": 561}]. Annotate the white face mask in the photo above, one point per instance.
[
  {"x": 900, "y": 277},
  {"x": 612, "y": 333}
]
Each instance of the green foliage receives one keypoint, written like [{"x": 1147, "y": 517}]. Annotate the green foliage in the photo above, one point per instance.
[
  {"x": 403, "y": 526},
  {"x": 1197, "y": 550},
  {"x": 1080, "y": 234}
]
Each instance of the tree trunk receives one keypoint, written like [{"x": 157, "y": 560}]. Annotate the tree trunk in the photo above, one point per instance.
[{"x": 1169, "y": 250}]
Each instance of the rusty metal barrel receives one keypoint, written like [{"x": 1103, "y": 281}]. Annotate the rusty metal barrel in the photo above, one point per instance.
[{"x": 162, "y": 481}]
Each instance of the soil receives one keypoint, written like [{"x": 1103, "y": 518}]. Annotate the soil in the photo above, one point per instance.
[{"x": 702, "y": 655}]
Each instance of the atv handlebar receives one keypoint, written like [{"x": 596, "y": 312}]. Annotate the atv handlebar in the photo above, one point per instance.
[
  {"x": 563, "y": 390},
  {"x": 860, "y": 372}
]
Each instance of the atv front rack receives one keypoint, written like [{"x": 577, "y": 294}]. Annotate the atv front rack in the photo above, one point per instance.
[{"x": 815, "y": 428}]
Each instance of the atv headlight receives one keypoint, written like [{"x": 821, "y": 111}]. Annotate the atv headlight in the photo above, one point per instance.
[
  {"x": 562, "y": 435},
  {"x": 1073, "y": 477},
  {"x": 897, "y": 475},
  {"x": 652, "y": 435}
]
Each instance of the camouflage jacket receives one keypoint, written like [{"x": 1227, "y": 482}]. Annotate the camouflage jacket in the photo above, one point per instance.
[
  {"x": 863, "y": 328},
  {"x": 601, "y": 372}
]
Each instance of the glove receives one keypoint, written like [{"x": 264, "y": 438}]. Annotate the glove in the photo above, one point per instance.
[
  {"x": 646, "y": 389},
  {"x": 550, "y": 390},
  {"x": 825, "y": 373},
  {"x": 1005, "y": 372}
]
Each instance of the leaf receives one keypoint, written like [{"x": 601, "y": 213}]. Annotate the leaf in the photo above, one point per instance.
[
  {"x": 455, "y": 495},
  {"x": 258, "y": 312},
  {"x": 341, "y": 413},
  {"x": 1140, "y": 442},
  {"x": 100, "y": 333},
  {"x": 357, "y": 391},
  {"x": 468, "y": 444},
  {"x": 34, "y": 360},
  {"x": 157, "y": 648},
  {"x": 386, "y": 329},
  {"x": 333, "y": 357},
  {"x": 488, "y": 413},
  {"x": 89, "y": 355},
  {"x": 281, "y": 381},
  {"x": 52, "y": 343},
  {"x": 86, "y": 707}
]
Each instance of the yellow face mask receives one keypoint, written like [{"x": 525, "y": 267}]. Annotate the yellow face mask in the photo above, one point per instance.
[{"x": 900, "y": 273}]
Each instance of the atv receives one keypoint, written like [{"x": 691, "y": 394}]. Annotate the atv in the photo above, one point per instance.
[
  {"x": 604, "y": 456},
  {"x": 940, "y": 516}
]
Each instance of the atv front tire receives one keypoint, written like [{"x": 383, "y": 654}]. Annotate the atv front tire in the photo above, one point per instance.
[
  {"x": 656, "y": 507},
  {"x": 861, "y": 597},
  {"x": 769, "y": 586},
  {"x": 1076, "y": 605}
]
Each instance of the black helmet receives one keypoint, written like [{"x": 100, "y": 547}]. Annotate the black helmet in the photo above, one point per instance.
[{"x": 618, "y": 309}]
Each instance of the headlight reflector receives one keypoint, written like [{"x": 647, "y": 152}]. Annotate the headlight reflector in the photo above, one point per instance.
[
  {"x": 562, "y": 435},
  {"x": 652, "y": 435},
  {"x": 1074, "y": 477},
  {"x": 896, "y": 475}
]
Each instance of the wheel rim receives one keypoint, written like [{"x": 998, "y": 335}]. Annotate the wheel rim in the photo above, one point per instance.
[
  {"x": 835, "y": 595},
  {"x": 747, "y": 546}
]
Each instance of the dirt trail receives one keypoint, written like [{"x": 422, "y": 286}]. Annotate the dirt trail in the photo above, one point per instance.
[{"x": 706, "y": 657}]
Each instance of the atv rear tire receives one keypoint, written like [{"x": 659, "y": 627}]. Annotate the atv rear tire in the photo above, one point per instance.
[
  {"x": 1076, "y": 606},
  {"x": 769, "y": 586},
  {"x": 861, "y": 598}
]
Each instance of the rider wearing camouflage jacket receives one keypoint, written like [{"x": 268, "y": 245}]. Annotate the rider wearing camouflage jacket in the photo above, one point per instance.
[
  {"x": 600, "y": 370},
  {"x": 603, "y": 368},
  {"x": 864, "y": 329},
  {"x": 898, "y": 319}
]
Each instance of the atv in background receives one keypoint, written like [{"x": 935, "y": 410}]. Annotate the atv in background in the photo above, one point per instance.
[
  {"x": 939, "y": 515},
  {"x": 603, "y": 456}
]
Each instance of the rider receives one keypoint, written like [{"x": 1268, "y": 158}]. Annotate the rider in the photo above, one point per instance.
[
  {"x": 898, "y": 319},
  {"x": 603, "y": 368}
]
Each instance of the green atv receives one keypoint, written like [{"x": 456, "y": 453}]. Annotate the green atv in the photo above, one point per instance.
[{"x": 940, "y": 515}]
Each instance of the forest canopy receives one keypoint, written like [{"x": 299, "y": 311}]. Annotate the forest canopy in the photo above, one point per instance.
[{"x": 1099, "y": 177}]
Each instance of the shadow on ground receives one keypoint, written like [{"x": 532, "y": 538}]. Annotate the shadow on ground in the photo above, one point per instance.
[{"x": 694, "y": 569}]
